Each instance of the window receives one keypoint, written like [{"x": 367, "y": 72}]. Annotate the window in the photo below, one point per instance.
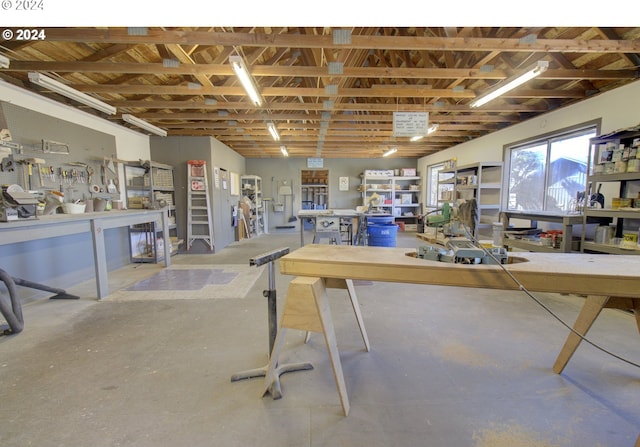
[
  {"x": 432, "y": 192},
  {"x": 547, "y": 173}
]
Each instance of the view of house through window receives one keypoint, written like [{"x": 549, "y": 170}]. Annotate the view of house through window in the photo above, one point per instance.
[{"x": 546, "y": 175}]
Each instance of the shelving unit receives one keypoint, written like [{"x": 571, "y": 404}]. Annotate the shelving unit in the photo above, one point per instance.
[
  {"x": 252, "y": 190},
  {"x": 615, "y": 159},
  {"x": 315, "y": 189},
  {"x": 399, "y": 196},
  {"x": 150, "y": 185},
  {"x": 566, "y": 220},
  {"x": 481, "y": 181}
]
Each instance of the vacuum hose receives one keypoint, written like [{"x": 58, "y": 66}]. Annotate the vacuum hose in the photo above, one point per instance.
[{"x": 12, "y": 312}]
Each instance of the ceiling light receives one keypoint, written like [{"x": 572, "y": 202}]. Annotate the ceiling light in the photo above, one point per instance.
[
  {"x": 391, "y": 151},
  {"x": 432, "y": 128},
  {"x": 510, "y": 84},
  {"x": 65, "y": 90},
  {"x": 4, "y": 61},
  {"x": 273, "y": 131},
  {"x": 240, "y": 69},
  {"x": 283, "y": 149},
  {"x": 142, "y": 124}
]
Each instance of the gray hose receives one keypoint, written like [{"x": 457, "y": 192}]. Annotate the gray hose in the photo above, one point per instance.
[{"x": 12, "y": 313}]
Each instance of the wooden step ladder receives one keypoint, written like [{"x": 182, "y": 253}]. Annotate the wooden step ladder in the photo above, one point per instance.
[{"x": 199, "y": 223}]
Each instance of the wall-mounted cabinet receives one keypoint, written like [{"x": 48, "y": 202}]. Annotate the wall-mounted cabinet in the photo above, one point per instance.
[
  {"x": 398, "y": 196},
  {"x": 150, "y": 185},
  {"x": 252, "y": 196},
  {"x": 614, "y": 159}
]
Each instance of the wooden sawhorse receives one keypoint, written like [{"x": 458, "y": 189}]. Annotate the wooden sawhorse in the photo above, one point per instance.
[{"x": 307, "y": 309}]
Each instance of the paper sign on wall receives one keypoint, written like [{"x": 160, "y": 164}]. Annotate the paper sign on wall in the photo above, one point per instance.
[{"x": 410, "y": 124}]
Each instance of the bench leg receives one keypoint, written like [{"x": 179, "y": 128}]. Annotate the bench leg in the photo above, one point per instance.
[
  {"x": 353, "y": 297},
  {"x": 588, "y": 314}
]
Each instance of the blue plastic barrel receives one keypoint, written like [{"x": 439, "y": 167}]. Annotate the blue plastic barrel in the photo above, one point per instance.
[
  {"x": 379, "y": 219},
  {"x": 382, "y": 235}
]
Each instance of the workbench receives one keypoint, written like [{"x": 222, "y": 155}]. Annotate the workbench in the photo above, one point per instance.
[
  {"x": 315, "y": 214},
  {"x": 57, "y": 225},
  {"x": 607, "y": 281}
]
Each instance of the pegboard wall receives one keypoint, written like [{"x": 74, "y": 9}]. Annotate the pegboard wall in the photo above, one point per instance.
[{"x": 43, "y": 137}]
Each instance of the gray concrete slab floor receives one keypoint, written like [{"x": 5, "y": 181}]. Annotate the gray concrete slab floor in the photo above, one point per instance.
[{"x": 448, "y": 367}]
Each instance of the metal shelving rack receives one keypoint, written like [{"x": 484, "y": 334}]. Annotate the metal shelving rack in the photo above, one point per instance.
[
  {"x": 627, "y": 219},
  {"x": 252, "y": 189},
  {"x": 150, "y": 185},
  {"x": 481, "y": 181}
]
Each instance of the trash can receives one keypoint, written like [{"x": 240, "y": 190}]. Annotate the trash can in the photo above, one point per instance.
[{"x": 382, "y": 234}]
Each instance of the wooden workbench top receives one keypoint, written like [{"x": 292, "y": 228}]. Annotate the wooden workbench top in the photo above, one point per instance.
[{"x": 586, "y": 274}]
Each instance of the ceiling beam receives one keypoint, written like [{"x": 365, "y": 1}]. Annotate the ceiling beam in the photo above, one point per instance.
[
  {"x": 156, "y": 36},
  {"x": 298, "y": 71}
]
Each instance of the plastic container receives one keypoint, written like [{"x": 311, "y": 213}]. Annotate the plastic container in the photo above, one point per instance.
[
  {"x": 73, "y": 208},
  {"x": 99, "y": 204},
  {"x": 371, "y": 220},
  {"x": 382, "y": 234}
]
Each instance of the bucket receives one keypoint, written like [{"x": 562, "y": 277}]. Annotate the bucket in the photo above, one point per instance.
[
  {"x": 382, "y": 235},
  {"x": 99, "y": 204},
  {"x": 380, "y": 220}
]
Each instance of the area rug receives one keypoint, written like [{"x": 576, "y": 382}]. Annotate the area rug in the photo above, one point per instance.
[{"x": 195, "y": 282}]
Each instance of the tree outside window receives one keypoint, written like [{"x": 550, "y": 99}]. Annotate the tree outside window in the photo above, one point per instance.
[{"x": 547, "y": 175}]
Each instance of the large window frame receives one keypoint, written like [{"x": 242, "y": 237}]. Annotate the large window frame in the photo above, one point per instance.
[
  {"x": 538, "y": 179},
  {"x": 432, "y": 184}
]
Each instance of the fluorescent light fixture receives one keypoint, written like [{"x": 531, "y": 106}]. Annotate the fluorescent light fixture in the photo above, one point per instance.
[
  {"x": 4, "y": 61},
  {"x": 240, "y": 69},
  {"x": 510, "y": 84},
  {"x": 142, "y": 124},
  {"x": 65, "y": 90},
  {"x": 391, "y": 151},
  {"x": 432, "y": 128},
  {"x": 273, "y": 131},
  {"x": 283, "y": 149}
]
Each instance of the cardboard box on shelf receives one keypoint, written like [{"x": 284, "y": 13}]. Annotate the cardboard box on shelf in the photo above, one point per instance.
[{"x": 408, "y": 172}]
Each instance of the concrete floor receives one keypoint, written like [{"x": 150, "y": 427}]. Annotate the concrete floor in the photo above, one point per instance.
[{"x": 449, "y": 367}]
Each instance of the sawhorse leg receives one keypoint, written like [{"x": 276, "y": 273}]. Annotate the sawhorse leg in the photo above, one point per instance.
[
  {"x": 307, "y": 309},
  {"x": 588, "y": 314},
  {"x": 351, "y": 290}
]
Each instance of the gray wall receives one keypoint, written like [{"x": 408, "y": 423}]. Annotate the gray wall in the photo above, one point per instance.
[
  {"x": 176, "y": 151},
  {"x": 273, "y": 169},
  {"x": 63, "y": 261}
]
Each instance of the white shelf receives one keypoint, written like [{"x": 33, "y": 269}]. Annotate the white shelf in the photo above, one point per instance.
[
  {"x": 392, "y": 188},
  {"x": 625, "y": 220}
]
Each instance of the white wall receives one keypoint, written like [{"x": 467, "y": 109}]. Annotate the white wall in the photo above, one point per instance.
[
  {"x": 130, "y": 145},
  {"x": 617, "y": 109}
]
